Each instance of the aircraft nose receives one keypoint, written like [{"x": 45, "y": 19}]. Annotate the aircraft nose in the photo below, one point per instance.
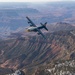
[{"x": 28, "y": 30}]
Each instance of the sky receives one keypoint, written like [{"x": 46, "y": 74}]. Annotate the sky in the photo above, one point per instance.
[
  {"x": 33, "y": 0},
  {"x": 29, "y": 0}
]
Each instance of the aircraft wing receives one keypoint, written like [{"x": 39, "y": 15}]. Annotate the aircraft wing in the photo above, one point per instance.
[
  {"x": 29, "y": 21},
  {"x": 41, "y": 33}
]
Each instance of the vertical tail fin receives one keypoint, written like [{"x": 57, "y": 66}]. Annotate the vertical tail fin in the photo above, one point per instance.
[{"x": 44, "y": 26}]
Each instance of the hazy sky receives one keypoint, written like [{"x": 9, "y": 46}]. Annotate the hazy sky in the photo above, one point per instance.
[
  {"x": 33, "y": 0},
  {"x": 28, "y": 0}
]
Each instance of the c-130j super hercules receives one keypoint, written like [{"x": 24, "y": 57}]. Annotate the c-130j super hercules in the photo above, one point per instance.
[{"x": 34, "y": 28}]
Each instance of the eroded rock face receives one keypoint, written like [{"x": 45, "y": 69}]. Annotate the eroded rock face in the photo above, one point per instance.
[
  {"x": 35, "y": 50},
  {"x": 41, "y": 72},
  {"x": 18, "y": 72},
  {"x": 62, "y": 67}
]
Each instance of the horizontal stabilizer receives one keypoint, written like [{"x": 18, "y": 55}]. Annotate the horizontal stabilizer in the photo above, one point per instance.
[{"x": 44, "y": 26}]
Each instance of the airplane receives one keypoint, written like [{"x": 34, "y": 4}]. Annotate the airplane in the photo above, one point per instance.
[{"x": 34, "y": 28}]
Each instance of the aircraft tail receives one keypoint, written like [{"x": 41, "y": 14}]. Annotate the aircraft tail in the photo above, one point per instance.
[{"x": 44, "y": 26}]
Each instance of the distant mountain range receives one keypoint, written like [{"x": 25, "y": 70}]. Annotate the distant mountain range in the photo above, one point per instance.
[
  {"x": 13, "y": 15},
  {"x": 61, "y": 26}
]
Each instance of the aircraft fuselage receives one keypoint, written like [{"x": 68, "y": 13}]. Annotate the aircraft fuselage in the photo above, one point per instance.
[{"x": 30, "y": 29}]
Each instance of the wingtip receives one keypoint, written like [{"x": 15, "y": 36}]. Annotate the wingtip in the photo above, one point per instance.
[{"x": 26, "y": 16}]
